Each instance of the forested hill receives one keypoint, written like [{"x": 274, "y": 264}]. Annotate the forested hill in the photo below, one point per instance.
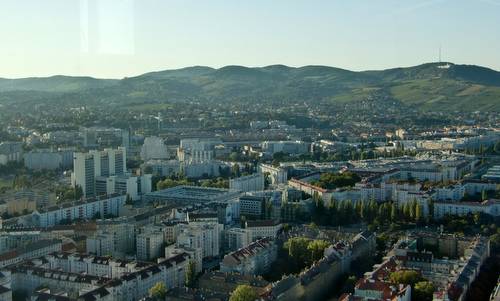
[{"x": 432, "y": 86}]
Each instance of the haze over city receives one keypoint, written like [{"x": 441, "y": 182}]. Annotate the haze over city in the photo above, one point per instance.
[
  {"x": 249, "y": 151},
  {"x": 114, "y": 39}
]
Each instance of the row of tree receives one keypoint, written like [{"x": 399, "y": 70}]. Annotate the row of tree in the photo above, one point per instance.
[{"x": 339, "y": 213}]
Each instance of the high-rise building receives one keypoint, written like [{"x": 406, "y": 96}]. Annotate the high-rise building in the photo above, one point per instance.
[
  {"x": 149, "y": 245},
  {"x": 89, "y": 166},
  {"x": 203, "y": 235}
]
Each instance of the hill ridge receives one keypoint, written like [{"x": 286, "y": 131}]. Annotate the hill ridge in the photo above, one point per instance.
[{"x": 430, "y": 86}]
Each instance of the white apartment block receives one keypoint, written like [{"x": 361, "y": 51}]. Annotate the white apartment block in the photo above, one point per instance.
[
  {"x": 164, "y": 168},
  {"x": 289, "y": 147},
  {"x": 370, "y": 191},
  {"x": 458, "y": 191},
  {"x": 491, "y": 207},
  {"x": 149, "y": 245},
  {"x": 343, "y": 194},
  {"x": 473, "y": 187},
  {"x": 454, "y": 192},
  {"x": 134, "y": 186},
  {"x": 88, "y": 166},
  {"x": 205, "y": 168},
  {"x": 85, "y": 209},
  {"x": 249, "y": 183},
  {"x": 201, "y": 235},
  {"x": 444, "y": 171},
  {"x": 92, "y": 265}
]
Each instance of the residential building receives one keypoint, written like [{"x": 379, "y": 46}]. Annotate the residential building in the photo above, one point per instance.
[
  {"x": 201, "y": 169},
  {"x": 95, "y": 278},
  {"x": 115, "y": 237},
  {"x": 89, "y": 166},
  {"x": 31, "y": 250},
  {"x": 150, "y": 245},
  {"x": 133, "y": 186},
  {"x": 197, "y": 150},
  {"x": 263, "y": 228},
  {"x": 237, "y": 238},
  {"x": 492, "y": 174},
  {"x": 195, "y": 254},
  {"x": 254, "y": 182},
  {"x": 442, "y": 208},
  {"x": 288, "y": 147},
  {"x": 101, "y": 244},
  {"x": 164, "y": 168},
  {"x": 252, "y": 206},
  {"x": 254, "y": 259},
  {"x": 84, "y": 209},
  {"x": 201, "y": 235}
]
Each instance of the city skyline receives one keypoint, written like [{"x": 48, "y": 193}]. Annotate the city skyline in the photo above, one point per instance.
[{"x": 286, "y": 150}]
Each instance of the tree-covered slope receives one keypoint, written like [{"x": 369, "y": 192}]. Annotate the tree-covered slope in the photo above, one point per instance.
[{"x": 432, "y": 86}]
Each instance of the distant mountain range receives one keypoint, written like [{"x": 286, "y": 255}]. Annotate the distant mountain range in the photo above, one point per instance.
[{"x": 431, "y": 86}]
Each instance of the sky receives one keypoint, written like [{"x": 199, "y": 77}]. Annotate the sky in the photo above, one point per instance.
[{"x": 120, "y": 38}]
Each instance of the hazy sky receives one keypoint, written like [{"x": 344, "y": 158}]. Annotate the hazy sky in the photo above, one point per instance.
[{"x": 117, "y": 38}]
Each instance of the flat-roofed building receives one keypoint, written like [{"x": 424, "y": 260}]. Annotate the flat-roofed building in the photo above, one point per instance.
[
  {"x": 252, "y": 206},
  {"x": 192, "y": 194},
  {"x": 254, "y": 182}
]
